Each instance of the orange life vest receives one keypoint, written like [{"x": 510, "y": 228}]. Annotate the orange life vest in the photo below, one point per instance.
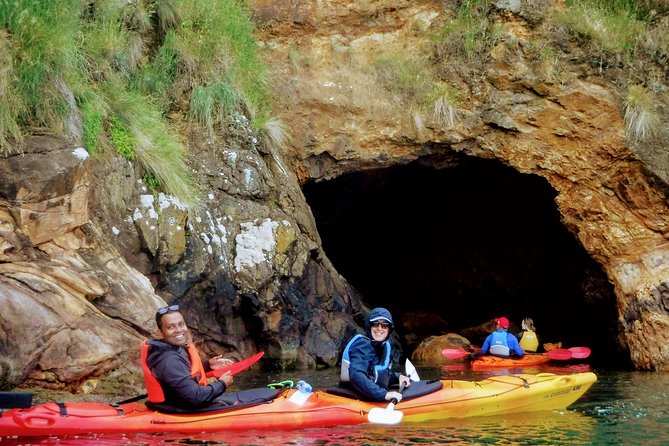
[{"x": 153, "y": 388}]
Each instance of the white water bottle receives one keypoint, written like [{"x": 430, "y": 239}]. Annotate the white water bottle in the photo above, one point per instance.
[{"x": 303, "y": 386}]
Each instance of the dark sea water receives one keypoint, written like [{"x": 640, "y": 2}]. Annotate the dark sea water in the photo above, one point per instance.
[{"x": 622, "y": 408}]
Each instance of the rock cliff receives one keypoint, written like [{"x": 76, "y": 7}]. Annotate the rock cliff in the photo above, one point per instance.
[
  {"x": 89, "y": 254},
  {"x": 564, "y": 125}
]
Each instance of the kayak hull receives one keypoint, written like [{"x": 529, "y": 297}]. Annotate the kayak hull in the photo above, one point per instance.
[
  {"x": 528, "y": 360},
  {"x": 456, "y": 399},
  {"x": 499, "y": 395}
]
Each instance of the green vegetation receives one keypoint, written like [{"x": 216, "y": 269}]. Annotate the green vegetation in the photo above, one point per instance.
[
  {"x": 627, "y": 40},
  {"x": 640, "y": 116},
  {"x": 151, "y": 182},
  {"x": 121, "y": 139},
  {"x": 611, "y": 27},
  {"x": 413, "y": 79},
  {"x": 445, "y": 102},
  {"x": 469, "y": 34},
  {"x": 93, "y": 128},
  {"x": 215, "y": 101},
  {"x": 128, "y": 66},
  {"x": 40, "y": 56}
]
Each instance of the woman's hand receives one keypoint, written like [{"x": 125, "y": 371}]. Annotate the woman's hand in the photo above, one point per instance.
[
  {"x": 219, "y": 361},
  {"x": 396, "y": 395},
  {"x": 405, "y": 381}
]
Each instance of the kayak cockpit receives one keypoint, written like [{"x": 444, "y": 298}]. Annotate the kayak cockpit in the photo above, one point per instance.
[{"x": 415, "y": 390}]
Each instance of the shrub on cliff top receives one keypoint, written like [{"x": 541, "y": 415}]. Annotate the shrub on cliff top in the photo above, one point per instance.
[
  {"x": 40, "y": 53},
  {"x": 129, "y": 63}
]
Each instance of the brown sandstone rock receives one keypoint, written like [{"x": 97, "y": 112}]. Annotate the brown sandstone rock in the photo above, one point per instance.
[{"x": 429, "y": 351}]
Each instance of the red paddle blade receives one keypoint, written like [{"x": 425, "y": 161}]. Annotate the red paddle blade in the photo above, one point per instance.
[
  {"x": 579, "y": 352},
  {"x": 561, "y": 354},
  {"x": 236, "y": 367},
  {"x": 454, "y": 353}
]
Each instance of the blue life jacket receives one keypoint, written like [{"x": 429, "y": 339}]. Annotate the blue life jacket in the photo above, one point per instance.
[
  {"x": 381, "y": 371},
  {"x": 499, "y": 344}
]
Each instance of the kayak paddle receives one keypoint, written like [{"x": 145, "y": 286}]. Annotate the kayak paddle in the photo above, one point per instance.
[
  {"x": 234, "y": 368},
  {"x": 454, "y": 353},
  {"x": 560, "y": 354},
  {"x": 579, "y": 352},
  {"x": 388, "y": 415},
  {"x": 411, "y": 371}
]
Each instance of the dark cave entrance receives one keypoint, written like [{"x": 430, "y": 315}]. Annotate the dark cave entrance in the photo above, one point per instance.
[{"x": 466, "y": 244}]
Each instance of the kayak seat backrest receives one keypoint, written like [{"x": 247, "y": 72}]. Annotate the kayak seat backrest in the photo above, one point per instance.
[
  {"x": 227, "y": 401},
  {"x": 15, "y": 400},
  {"x": 416, "y": 389}
]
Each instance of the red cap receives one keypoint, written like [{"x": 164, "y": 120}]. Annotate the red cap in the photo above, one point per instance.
[{"x": 503, "y": 322}]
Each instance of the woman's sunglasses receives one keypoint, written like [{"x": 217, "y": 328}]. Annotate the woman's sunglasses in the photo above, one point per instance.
[
  {"x": 380, "y": 324},
  {"x": 167, "y": 309}
]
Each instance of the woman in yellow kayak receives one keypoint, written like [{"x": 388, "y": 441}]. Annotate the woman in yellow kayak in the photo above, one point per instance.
[{"x": 527, "y": 338}]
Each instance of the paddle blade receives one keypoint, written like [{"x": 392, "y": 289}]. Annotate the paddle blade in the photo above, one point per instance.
[
  {"x": 454, "y": 353},
  {"x": 579, "y": 352},
  {"x": 385, "y": 416},
  {"x": 411, "y": 371},
  {"x": 560, "y": 354},
  {"x": 236, "y": 367}
]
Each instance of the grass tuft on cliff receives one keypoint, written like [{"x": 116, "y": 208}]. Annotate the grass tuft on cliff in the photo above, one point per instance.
[
  {"x": 469, "y": 32},
  {"x": 612, "y": 27},
  {"x": 126, "y": 69},
  {"x": 641, "y": 118}
]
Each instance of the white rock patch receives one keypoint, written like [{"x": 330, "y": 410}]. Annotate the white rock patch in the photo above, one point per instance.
[
  {"x": 254, "y": 243},
  {"x": 80, "y": 153}
]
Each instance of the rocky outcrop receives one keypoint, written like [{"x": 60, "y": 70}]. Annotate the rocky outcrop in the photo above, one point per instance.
[
  {"x": 72, "y": 308},
  {"x": 566, "y": 129},
  {"x": 89, "y": 254}
]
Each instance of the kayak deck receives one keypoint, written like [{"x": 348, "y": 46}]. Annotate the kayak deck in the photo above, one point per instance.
[{"x": 294, "y": 410}]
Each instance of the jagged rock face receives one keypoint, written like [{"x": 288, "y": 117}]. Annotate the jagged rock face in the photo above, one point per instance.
[
  {"x": 89, "y": 255},
  {"x": 71, "y": 308},
  {"x": 569, "y": 132}
]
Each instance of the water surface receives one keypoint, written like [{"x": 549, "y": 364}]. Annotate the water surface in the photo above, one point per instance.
[{"x": 622, "y": 408}]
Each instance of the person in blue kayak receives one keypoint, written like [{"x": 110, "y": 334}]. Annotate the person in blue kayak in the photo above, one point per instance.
[
  {"x": 174, "y": 374},
  {"x": 527, "y": 338},
  {"x": 500, "y": 342},
  {"x": 365, "y": 364}
]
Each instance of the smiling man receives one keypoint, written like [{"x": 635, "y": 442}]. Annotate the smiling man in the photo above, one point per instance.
[
  {"x": 175, "y": 375},
  {"x": 365, "y": 364}
]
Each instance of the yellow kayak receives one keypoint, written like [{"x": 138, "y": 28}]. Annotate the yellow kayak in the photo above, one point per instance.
[{"x": 499, "y": 395}]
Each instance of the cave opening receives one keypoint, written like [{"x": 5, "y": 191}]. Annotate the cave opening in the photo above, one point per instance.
[{"x": 454, "y": 247}]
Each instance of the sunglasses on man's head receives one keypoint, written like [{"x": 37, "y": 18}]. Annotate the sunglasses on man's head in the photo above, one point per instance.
[
  {"x": 380, "y": 324},
  {"x": 167, "y": 309}
]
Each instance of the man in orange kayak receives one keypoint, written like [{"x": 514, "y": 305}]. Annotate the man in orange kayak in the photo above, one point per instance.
[
  {"x": 500, "y": 342},
  {"x": 365, "y": 364},
  {"x": 174, "y": 374}
]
